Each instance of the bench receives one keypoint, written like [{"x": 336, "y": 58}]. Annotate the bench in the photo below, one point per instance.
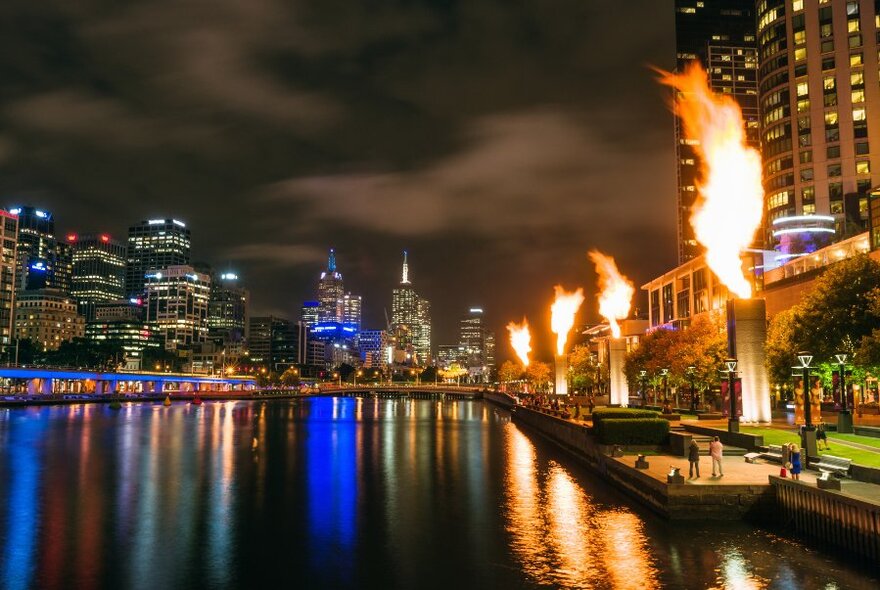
[
  {"x": 836, "y": 465},
  {"x": 710, "y": 416},
  {"x": 773, "y": 453}
]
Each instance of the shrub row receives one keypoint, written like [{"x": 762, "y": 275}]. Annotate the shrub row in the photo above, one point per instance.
[
  {"x": 603, "y": 414},
  {"x": 634, "y": 431}
]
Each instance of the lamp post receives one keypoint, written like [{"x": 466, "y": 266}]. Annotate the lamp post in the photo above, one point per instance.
[
  {"x": 357, "y": 374},
  {"x": 691, "y": 374},
  {"x": 665, "y": 374},
  {"x": 808, "y": 435},
  {"x": 733, "y": 417},
  {"x": 643, "y": 380},
  {"x": 844, "y": 418}
]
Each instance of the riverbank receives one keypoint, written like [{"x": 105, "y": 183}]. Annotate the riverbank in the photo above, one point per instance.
[{"x": 60, "y": 400}]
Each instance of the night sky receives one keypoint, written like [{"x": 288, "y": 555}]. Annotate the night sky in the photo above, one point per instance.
[{"x": 496, "y": 140}]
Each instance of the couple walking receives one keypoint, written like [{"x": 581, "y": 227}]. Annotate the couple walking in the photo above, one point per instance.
[{"x": 716, "y": 450}]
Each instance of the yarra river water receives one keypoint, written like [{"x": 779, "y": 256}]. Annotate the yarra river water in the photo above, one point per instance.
[{"x": 345, "y": 493}]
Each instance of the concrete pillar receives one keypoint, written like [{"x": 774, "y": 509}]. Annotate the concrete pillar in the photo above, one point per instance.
[
  {"x": 46, "y": 387},
  {"x": 619, "y": 386},
  {"x": 746, "y": 337},
  {"x": 111, "y": 387},
  {"x": 33, "y": 386},
  {"x": 561, "y": 375}
]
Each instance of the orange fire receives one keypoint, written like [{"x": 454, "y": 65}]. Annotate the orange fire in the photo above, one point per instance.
[
  {"x": 616, "y": 291},
  {"x": 562, "y": 313},
  {"x": 520, "y": 340},
  {"x": 728, "y": 211}
]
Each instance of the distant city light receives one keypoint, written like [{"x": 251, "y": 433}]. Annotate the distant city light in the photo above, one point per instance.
[
  {"x": 71, "y": 237},
  {"x": 41, "y": 214},
  {"x": 476, "y": 310},
  {"x": 105, "y": 238},
  {"x": 15, "y": 210},
  {"x": 180, "y": 223},
  {"x": 229, "y": 276},
  {"x": 156, "y": 221}
]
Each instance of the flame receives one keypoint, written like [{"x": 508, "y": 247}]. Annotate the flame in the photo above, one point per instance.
[
  {"x": 520, "y": 340},
  {"x": 616, "y": 291},
  {"x": 728, "y": 211},
  {"x": 562, "y": 313}
]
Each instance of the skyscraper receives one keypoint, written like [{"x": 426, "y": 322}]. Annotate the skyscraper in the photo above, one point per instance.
[
  {"x": 330, "y": 292},
  {"x": 177, "y": 305},
  {"x": 720, "y": 35},
  {"x": 8, "y": 239},
  {"x": 310, "y": 312},
  {"x": 411, "y": 317},
  {"x": 477, "y": 344},
  {"x": 154, "y": 245},
  {"x": 351, "y": 311},
  {"x": 98, "y": 271},
  {"x": 42, "y": 261},
  {"x": 818, "y": 87},
  {"x": 228, "y": 312},
  {"x": 276, "y": 343}
]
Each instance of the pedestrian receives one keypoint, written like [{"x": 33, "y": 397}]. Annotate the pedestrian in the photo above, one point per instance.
[
  {"x": 786, "y": 460},
  {"x": 822, "y": 436},
  {"x": 694, "y": 459},
  {"x": 716, "y": 450},
  {"x": 795, "y": 462}
]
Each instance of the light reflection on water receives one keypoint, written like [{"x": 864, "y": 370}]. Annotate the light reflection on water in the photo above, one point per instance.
[
  {"x": 342, "y": 493},
  {"x": 560, "y": 537}
]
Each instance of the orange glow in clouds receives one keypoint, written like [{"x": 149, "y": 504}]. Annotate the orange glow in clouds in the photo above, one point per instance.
[
  {"x": 728, "y": 210},
  {"x": 520, "y": 340},
  {"x": 562, "y": 313},
  {"x": 615, "y": 291}
]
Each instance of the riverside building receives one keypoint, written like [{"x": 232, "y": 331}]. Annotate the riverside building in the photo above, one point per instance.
[
  {"x": 98, "y": 271},
  {"x": 176, "y": 302},
  {"x": 154, "y": 245}
]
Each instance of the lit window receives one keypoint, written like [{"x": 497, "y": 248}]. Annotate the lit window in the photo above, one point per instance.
[
  {"x": 800, "y": 53},
  {"x": 857, "y": 79},
  {"x": 863, "y": 167},
  {"x": 859, "y": 114},
  {"x": 828, "y": 83},
  {"x": 803, "y": 89},
  {"x": 803, "y": 105},
  {"x": 858, "y": 96},
  {"x": 800, "y": 37},
  {"x": 797, "y": 5},
  {"x": 852, "y": 7},
  {"x": 809, "y": 208},
  {"x": 852, "y": 25},
  {"x": 855, "y": 59},
  {"x": 831, "y": 118}
]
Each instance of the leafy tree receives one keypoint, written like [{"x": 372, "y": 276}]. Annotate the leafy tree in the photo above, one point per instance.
[
  {"x": 841, "y": 314},
  {"x": 429, "y": 375},
  {"x": 453, "y": 372},
  {"x": 583, "y": 368},
  {"x": 345, "y": 371},
  {"x": 539, "y": 375},
  {"x": 510, "y": 371},
  {"x": 290, "y": 377}
]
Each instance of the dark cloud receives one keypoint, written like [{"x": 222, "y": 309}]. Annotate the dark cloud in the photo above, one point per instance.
[{"x": 498, "y": 140}]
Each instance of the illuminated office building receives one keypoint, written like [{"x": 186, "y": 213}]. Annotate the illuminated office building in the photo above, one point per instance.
[
  {"x": 98, "y": 271},
  {"x": 8, "y": 239},
  {"x": 42, "y": 261},
  {"x": 411, "y": 317},
  {"x": 154, "y": 245},
  {"x": 47, "y": 317},
  {"x": 176, "y": 302}
]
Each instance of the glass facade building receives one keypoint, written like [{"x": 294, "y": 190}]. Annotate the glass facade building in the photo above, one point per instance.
[
  {"x": 154, "y": 245},
  {"x": 98, "y": 271}
]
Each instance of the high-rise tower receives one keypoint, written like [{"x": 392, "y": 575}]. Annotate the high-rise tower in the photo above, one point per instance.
[
  {"x": 411, "y": 316},
  {"x": 720, "y": 35},
  {"x": 154, "y": 245},
  {"x": 330, "y": 293}
]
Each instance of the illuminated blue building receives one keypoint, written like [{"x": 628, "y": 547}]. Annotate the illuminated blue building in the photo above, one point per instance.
[{"x": 42, "y": 262}]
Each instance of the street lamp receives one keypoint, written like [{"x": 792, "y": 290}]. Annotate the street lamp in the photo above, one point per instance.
[
  {"x": 691, "y": 374},
  {"x": 665, "y": 374},
  {"x": 357, "y": 374},
  {"x": 338, "y": 376},
  {"x": 733, "y": 416},
  {"x": 643, "y": 379},
  {"x": 844, "y": 418},
  {"x": 808, "y": 435}
]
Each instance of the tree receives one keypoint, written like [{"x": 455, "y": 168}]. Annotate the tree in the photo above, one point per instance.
[
  {"x": 510, "y": 371},
  {"x": 841, "y": 314},
  {"x": 453, "y": 372},
  {"x": 539, "y": 375},
  {"x": 583, "y": 368},
  {"x": 429, "y": 375},
  {"x": 290, "y": 377}
]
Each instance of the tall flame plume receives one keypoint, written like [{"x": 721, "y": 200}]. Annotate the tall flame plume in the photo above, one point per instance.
[
  {"x": 562, "y": 313},
  {"x": 615, "y": 291},
  {"x": 728, "y": 211},
  {"x": 520, "y": 340}
]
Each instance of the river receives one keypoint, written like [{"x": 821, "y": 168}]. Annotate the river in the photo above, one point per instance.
[{"x": 346, "y": 493}]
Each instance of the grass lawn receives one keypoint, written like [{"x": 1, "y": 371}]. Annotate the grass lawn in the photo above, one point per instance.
[
  {"x": 871, "y": 441},
  {"x": 775, "y": 436}
]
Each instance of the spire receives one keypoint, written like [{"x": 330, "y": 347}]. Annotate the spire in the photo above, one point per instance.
[
  {"x": 405, "y": 279},
  {"x": 331, "y": 262}
]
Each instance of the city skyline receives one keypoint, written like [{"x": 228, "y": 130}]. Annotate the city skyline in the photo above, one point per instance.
[{"x": 303, "y": 144}]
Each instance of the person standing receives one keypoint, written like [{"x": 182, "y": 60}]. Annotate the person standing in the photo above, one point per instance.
[
  {"x": 786, "y": 459},
  {"x": 716, "y": 450},
  {"x": 795, "y": 462},
  {"x": 822, "y": 435},
  {"x": 694, "y": 459}
]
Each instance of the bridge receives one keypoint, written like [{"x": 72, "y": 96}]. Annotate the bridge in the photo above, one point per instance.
[
  {"x": 404, "y": 391},
  {"x": 38, "y": 381}
]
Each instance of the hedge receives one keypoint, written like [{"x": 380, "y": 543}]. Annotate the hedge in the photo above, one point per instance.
[
  {"x": 599, "y": 416},
  {"x": 634, "y": 431}
]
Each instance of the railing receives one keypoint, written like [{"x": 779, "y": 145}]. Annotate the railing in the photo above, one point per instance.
[{"x": 831, "y": 517}]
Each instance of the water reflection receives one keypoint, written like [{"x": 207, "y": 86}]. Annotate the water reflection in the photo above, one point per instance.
[
  {"x": 343, "y": 494},
  {"x": 559, "y": 536}
]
